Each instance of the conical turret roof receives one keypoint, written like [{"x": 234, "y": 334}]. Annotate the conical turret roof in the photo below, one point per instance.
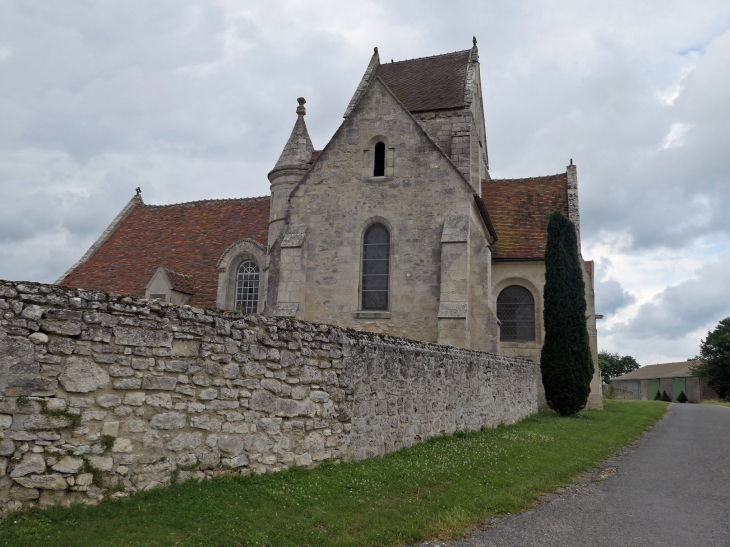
[{"x": 298, "y": 149}]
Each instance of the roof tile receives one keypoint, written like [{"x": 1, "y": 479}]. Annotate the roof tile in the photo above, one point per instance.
[
  {"x": 187, "y": 238},
  {"x": 520, "y": 210},
  {"x": 428, "y": 83}
]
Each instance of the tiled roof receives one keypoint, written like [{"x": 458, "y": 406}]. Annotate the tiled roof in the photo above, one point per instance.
[
  {"x": 663, "y": 370},
  {"x": 181, "y": 282},
  {"x": 428, "y": 83},
  {"x": 315, "y": 155},
  {"x": 520, "y": 210},
  {"x": 188, "y": 238}
]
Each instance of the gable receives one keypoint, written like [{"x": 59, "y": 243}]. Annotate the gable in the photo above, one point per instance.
[
  {"x": 188, "y": 238},
  {"x": 379, "y": 112},
  {"x": 520, "y": 210}
]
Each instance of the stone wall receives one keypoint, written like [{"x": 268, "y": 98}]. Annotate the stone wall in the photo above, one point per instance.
[{"x": 106, "y": 395}]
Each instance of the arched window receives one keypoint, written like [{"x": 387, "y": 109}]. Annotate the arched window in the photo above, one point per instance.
[
  {"x": 379, "y": 170},
  {"x": 516, "y": 311},
  {"x": 247, "y": 287},
  {"x": 375, "y": 268}
]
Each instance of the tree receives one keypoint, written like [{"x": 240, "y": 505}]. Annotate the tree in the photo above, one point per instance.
[
  {"x": 682, "y": 398},
  {"x": 665, "y": 397},
  {"x": 566, "y": 363},
  {"x": 612, "y": 365},
  {"x": 713, "y": 362}
]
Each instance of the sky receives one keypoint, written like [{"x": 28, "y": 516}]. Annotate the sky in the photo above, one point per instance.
[{"x": 194, "y": 100}]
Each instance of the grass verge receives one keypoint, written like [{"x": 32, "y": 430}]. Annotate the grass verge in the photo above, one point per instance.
[
  {"x": 718, "y": 402},
  {"x": 435, "y": 489}
]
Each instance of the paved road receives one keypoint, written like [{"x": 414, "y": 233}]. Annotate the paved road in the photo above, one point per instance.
[{"x": 671, "y": 488}]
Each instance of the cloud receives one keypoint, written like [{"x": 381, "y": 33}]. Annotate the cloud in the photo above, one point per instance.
[
  {"x": 610, "y": 297},
  {"x": 679, "y": 315}
]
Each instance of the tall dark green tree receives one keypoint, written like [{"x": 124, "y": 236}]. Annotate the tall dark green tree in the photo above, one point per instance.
[
  {"x": 566, "y": 363},
  {"x": 713, "y": 362}
]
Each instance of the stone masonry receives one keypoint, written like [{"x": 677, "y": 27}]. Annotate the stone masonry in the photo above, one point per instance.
[{"x": 104, "y": 395}]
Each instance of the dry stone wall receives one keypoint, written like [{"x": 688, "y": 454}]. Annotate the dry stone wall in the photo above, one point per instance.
[{"x": 103, "y": 395}]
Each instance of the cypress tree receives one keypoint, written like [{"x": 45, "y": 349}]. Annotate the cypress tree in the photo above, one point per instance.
[{"x": 566, "y": 362}]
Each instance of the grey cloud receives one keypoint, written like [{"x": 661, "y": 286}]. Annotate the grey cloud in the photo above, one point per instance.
[
  {"x": 610, "y": 296},
  {"x": 681, "y": 309}
]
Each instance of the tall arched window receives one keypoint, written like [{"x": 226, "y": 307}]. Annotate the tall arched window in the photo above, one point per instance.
[
  {"x": 379, "y": 169},
  {"x": 247, "y": 287},
  {"x": 516, "y": 311},
  {"x": 375, "y": 268}
]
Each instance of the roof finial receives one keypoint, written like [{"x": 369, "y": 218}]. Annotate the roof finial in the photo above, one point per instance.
[
  {"x": 375, "y": 49},
  {"x": 474, "y": 40},
  {"x": 571, "y": 161},
  {"x": 300, "y": 109},
  {"x": 139, "y": 191}
]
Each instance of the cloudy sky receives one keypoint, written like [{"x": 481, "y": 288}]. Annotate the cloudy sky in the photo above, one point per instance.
[{"x": 195, "y": 100}]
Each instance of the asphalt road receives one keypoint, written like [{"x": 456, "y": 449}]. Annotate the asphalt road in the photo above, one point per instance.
[{"x": 671, "y": 488}]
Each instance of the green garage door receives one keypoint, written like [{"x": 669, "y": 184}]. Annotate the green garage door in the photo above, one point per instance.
[
  {"x": 679, "y": 385},
  {"x": 653, "y": 389}
]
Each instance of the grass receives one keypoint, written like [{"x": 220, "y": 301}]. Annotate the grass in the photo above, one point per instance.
[
  {"x": 718, "y": 402},
  {"x": 440, "y": 488}
]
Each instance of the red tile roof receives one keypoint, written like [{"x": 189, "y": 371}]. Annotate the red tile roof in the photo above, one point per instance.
[
  {"x": 428, "y": 83},
  {"x": 181, "y": 282},
  {"x": 520, "y": 209},
  {"x": 315, "y": 155},
  {"x": 188, "y": 238}
]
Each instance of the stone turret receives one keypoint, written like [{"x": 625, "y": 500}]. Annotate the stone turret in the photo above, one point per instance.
[{"x": 288, "y": 171}]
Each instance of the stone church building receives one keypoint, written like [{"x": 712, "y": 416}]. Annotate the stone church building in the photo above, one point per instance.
[{"x": 395, "y": 226}]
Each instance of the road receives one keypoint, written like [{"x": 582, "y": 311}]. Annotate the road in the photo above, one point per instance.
[{"x": 671, "y": 488}]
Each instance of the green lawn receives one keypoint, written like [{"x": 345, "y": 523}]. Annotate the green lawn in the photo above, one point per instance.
[{"x": 438, "y": 488}]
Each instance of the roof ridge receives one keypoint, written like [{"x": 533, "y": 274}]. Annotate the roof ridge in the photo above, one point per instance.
[
  {"x": 170, "y": 270},
  {"x": 427, "y": 57},
  {"x": 259, "y": 198},
  {"x": 541, "y": 177}
]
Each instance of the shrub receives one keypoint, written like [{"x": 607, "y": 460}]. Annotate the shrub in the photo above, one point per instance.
[
  {"x": 658, "y": 396},
  {"x": 565, "y": 361},
  {"x": 665, "y": 397},
  {"x": 682, "y": 398}
]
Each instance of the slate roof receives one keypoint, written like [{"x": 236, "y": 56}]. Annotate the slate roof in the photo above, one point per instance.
[
  {"x": 663, "y": 370},
  {"x": 520, "y": 210},
  {"x": 187, "y": 238},
  {"x": 428, "y": 83}
]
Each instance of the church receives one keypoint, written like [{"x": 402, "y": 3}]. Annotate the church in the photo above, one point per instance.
[{"x": 394, "y": 227}]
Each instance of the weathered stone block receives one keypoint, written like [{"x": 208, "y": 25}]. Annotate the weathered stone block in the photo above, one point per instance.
[
  {"x": 81, "y": 376},
  {"x": 127, "y": 383},
  {"x": 44, "y": 482},
  {"x": 168, "y": 420},
  {"x": 31, "y": 463},
  {"x": 68, "y": 465},
  {"x": 65, "y": 328},
  {"x": 127, "y": 336},
  {"x": 165, "y": 383}
]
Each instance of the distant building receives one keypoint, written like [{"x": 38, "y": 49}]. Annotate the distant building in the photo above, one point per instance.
[{"x": 673, "y": 378}]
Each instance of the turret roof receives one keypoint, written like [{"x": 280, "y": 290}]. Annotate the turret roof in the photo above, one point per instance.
[{"x": 298, "y": 149}]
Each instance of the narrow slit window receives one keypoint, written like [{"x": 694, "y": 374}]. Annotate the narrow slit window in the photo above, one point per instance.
[
  {"x": 247, "y": 287},
  {"x": 375, "y": 268},
  {"x": 379, "y": 170},
  {"x": 516, "y": 311}
]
